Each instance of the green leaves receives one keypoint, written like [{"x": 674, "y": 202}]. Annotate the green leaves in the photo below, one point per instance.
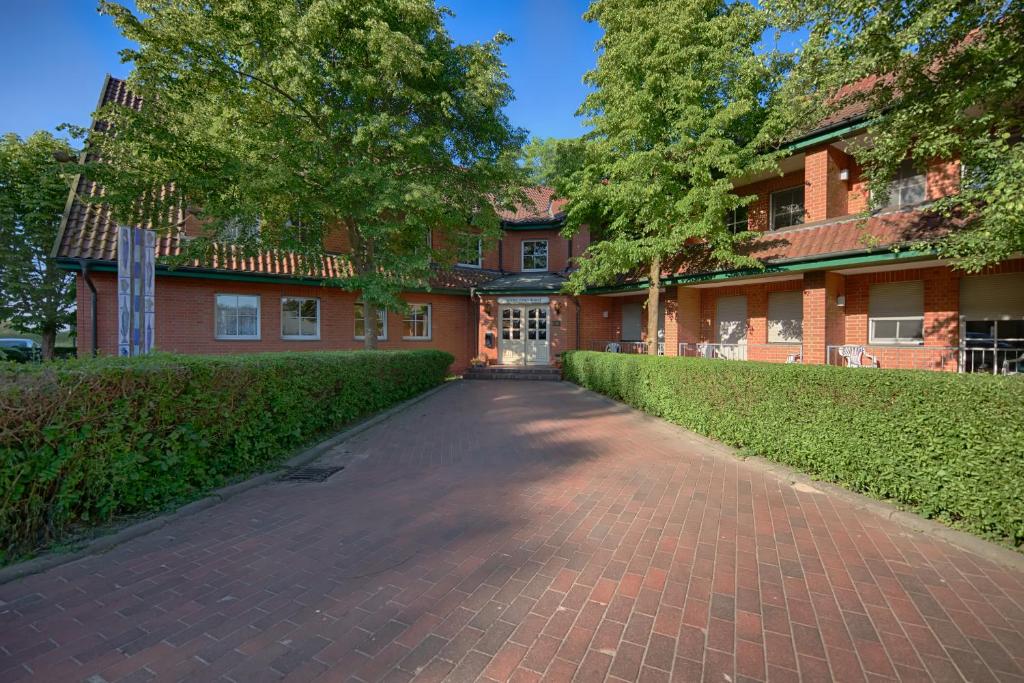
[
  {"x": 84, "y": 440},
  {"x": 944, "y": 444},
  {"x": 35, "y": 296}
]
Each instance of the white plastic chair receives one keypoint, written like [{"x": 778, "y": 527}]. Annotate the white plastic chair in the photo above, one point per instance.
[
  {"x": 855, "y": 355},
  {"x": 612, "y": 347}
]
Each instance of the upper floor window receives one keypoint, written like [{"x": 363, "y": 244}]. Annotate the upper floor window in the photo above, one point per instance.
[
  {"x": 240, "y": 230},
  {"x": 237, "y": 316},
  {"x": 896, "y": 313},
  {"x": 787, "y": 207},
  {"x": 360, "y": 318},
  {"x": 300, "y": 318},
  {"x": 736, "y": 220},
  {"x": 909, "y": 187},
  {"x": 474, "y": 255},
  {"x": 535, "y": 255}
]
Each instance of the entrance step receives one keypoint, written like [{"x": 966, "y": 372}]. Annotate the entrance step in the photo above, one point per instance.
[{"x": 523, "y": 372}]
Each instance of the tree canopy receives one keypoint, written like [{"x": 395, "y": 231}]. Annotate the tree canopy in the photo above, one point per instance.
[
  {"x": 950, "y": 87},
  {"x": 311, "y": 117},
  {"x": 682, "y": 103},
  {"x": 35, "y": 295},
  {"x": 545, "y": 159}
]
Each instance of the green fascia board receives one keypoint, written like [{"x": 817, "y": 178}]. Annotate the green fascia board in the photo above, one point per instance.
[
  {"x": 203, "y": 274},
  {"x": 827, "y": 136},
  {"x": 549, "y": 225},
  {"x": 517, "y": 292},
  {"x": 864, "y": 259}
]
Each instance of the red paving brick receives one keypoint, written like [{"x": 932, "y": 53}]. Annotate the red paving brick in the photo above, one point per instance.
[{"x": 527, "y": 532}]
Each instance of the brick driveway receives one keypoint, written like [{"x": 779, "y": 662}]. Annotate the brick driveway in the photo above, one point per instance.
[{"x": 522, "y": 531}]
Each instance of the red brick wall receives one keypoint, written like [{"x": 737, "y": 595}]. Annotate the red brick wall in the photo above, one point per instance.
[
  {"x": 185, "y": 318},
  {"x": 561, "y": 326},
  {"x": 758, "y": 210},
  {"x": 512, "y": 249}
]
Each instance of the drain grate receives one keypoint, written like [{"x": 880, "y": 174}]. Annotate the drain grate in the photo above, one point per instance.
[{"x": 310, "y": 474}]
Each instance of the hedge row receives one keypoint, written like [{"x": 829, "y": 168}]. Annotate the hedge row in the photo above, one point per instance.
[
  {"x": 949, "y": 446},
  {"x": 83, "y": 441}
]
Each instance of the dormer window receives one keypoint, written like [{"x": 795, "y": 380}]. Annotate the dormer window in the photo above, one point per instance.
[
  {"x": 474, "y": 255},
  {"x": 787, "y": 208},
  {"x": 240, "y": 230},
  {"x": 909, "y": 187},
  {"x": 535, "y": 255},
  {"x": 736, "y": 220}
]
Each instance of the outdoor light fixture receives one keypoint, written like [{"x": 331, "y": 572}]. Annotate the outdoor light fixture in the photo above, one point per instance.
[
  {"x": 844, "y": 174},
  {"x": 604, "y": 314},
  {"x": 840, "y": 301}
]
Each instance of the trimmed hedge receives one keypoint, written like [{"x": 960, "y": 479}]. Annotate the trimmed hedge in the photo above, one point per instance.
[
  {"x": 949, "y": 446},
  {"x": 83, "y": 441}
]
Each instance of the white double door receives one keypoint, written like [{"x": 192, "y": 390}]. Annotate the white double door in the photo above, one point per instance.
[{"x": 524, "y": 338}]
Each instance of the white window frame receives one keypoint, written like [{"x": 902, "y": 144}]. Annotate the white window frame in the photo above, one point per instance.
[
  {"x": 897, "y": 340},
  {"x": 479, "y": 255},
  {"x": 234, "y": 230},
  {"x": 301, "y": 337},
  {"x": 732, "y": 222},
  {"x": 522, "y": 254},
  {"x": 771, "y": 207},
  {"x": 907, "y": 176},
  {"x": 380, "y": 312},
  {"x": 430, "y": 323},
  {"x": 910, "y": 315},
  {"x": 237, "y": 337},
  {"x": 769, "y": 320}
]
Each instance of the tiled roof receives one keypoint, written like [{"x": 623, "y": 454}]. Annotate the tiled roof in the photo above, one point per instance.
[
  {"x": 527, "y": 282},
  {"x": 541, "y": 207}
]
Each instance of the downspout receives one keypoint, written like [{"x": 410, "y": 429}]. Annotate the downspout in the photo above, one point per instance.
[
  {"x": 501, "y": 254},
  {"x": 576, "y": 300},
  {"x": 92, "y": 303}
]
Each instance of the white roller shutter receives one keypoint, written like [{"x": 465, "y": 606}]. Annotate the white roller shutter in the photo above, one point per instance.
[
  {"x": 785, "y": 317},
  {"x": 731, "y": 320},
  {"x": 992, "y": 297},
  {"x": 896, "y": 300},
  {"x": 631, "y": 322}
]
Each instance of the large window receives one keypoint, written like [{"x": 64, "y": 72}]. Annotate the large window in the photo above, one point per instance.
[
  {"x": 474, "y": 255},
  {"x": 787, "y": 207},
  {"x": 416, "y": 323},
  {"x": 237, "y": 316},
  {"x": 360, "y": 317},
  {"x": 785, "y": 317},
  {"x": 992, "y": 312},
  {"x": 535, "y": 255},
  {"x": 909, "y": 187},
  {"x": 737, "y": 220},
  {"x": 300, "y": 318},
  {"x": 240, "y": 230},
  {"x": 896, "y": 313}
]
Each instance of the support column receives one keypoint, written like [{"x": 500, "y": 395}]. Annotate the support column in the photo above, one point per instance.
[
  {"x": 823, "y": 323},
  {"x": 671, "y": 323},
  {"x": 687, "y": 315}
]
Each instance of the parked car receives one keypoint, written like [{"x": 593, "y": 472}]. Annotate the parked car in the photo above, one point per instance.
[{"x": 21, "y": 350}]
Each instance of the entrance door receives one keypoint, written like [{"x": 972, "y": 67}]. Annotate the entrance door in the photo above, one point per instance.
[
  {"x": 512, "y": 346},
  {"x": 537, "y": 335}
]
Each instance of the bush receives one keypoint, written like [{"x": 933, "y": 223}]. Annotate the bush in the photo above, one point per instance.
[
  {"x": 82, "y": 441},
  {"x": 949, "y": 446}
]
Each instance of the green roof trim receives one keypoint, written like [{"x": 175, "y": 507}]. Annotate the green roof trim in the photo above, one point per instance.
[
  {"x": 804, "y": 143},
  {"x": 204, "y": 274},
  {"x": 546, "y": 225},
  {"x": 853, "y": 260}
]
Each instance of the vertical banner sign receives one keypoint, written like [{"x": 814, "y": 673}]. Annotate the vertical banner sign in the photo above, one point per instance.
[{"x": 136, "y": 290}]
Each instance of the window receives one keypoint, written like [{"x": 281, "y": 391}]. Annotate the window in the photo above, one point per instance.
[
  {"x": 237, "y": 316},
  {"x": 785, "y": 317},
  {"x": 474, "y": 256},
  {"x": 382, "y": 322},
  {"x": 416, "y": 324},
  {"x": 736, "y": 220},
  {"x": 787, "y": 207},
  {"x": 731, "y": 319},
  {"x": 300, "y": 318},
  {"x": 240, "y": 230},
  {"x": 535, "y": 255},
  {"x": 909, "y": 186},
  {"x": 896, "y": 313}
]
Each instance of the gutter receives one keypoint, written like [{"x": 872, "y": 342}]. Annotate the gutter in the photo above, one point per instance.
[{"x": 92, "y": 304}]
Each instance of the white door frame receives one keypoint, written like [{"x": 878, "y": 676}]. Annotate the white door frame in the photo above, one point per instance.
[{"x": 524, "y": 351}]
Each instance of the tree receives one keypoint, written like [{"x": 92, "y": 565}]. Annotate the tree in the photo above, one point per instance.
[
  {"x": 35, "y": 295},
  {"x": 681, "y": 105},
  {"x": 545, "y": 158},
  {"x": 313, "y": 118},
  {"x": 950, "y": 78}
]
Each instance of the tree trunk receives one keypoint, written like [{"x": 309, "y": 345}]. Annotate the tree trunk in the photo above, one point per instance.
[
  {"x": 369, "y": 326},
  {"x": 49, "y": 341},
  {"x": 653, "y": 302}
]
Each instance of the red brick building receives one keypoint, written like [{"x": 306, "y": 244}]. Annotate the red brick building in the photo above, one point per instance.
[{"x": 836, "y": 287}]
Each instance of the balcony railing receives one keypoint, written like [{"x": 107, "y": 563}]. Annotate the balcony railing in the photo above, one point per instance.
[
  {"x": 636, "y": 347},
  {"x": 991, "y": 360},
  {"x": 768, "y": 353}
]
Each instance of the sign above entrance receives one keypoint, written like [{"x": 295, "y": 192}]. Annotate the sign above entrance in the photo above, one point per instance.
[{"x": 524, "y": 300}]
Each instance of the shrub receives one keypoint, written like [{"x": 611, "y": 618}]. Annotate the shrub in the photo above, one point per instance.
[
  {"x": 82, "y": 441},
  {"x": 949, "y": 446}
]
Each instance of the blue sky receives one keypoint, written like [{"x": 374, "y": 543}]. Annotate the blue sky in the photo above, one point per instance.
[{"x": 55, "y": 53}]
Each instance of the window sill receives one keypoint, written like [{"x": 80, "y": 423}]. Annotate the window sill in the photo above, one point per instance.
[
  {"x": 417, "y": 338},
  {"x": 231, "y": 339},
  {"x": 895, "y": 343},
  {"x": 469, "y": 265},
  {"x": 380, "y": 339},
  {"x": 534, "y": 270},
  {"x": 316, "y": 338}
]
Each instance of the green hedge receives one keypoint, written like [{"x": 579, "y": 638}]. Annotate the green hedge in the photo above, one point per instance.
[
  {"x": 82, "y": 441},
  {"x": 949, "y": 446}
]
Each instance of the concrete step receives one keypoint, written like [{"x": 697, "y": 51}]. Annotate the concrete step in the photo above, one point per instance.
[{"x": 527, "y": 372}]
